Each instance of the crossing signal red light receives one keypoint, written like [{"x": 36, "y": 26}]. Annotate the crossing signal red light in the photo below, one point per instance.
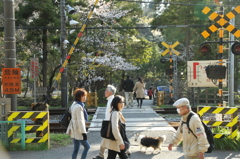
[
  {"x": 236, "y": 48},
  {"x": 205, "y": 49}
]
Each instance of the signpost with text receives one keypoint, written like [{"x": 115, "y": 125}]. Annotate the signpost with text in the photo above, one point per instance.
[{"x": 11, "y": 80}]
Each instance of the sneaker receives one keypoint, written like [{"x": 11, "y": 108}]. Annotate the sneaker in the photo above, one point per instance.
[{"x": 98, "y": 157}]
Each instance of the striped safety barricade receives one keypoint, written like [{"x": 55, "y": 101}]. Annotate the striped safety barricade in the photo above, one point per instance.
[
  {"x": 232, "y": 124},
  {"x": 41, "y": 127}
]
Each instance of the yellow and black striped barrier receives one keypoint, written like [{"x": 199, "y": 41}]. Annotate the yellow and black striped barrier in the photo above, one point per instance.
[
  {"x": 221, "y": 110},
  {"x": 41, "y": 128}
]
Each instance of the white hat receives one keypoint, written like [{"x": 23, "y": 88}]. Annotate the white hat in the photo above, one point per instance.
[{"x": 181, "y": 102}]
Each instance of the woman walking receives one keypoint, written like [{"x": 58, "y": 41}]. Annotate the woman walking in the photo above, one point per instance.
[
  {"x": 77, "y": 128},
  {"x": 139, "y": 87},
  {"x": 121, "y": 144}
]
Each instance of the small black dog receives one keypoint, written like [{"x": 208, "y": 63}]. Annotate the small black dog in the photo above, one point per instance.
[{"x": 146, "y": 142}]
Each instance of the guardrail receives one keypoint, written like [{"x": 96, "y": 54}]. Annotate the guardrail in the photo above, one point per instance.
[{"x": 8, "y": 129}]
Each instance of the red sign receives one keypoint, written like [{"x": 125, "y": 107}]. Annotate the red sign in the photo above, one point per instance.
[
  {"x": 11, "y": 80},
  {"x": 34, "y": 67}
]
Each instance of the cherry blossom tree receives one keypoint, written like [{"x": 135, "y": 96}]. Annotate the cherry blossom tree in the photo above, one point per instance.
[{"x": 101, "y": 47}]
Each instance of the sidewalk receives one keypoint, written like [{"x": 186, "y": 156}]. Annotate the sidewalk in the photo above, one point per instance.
[{"x": 144, "y": 121}]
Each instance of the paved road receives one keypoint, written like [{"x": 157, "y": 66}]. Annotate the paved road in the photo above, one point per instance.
[{"x": 144, "y": 121}]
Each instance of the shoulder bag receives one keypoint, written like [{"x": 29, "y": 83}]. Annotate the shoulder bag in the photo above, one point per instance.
[
  {"x": 106, "y": 129},
  {"x": 65, "y": 119}
]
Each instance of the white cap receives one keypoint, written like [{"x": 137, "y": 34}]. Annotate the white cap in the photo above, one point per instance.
[{"x": 181, "y": 102}]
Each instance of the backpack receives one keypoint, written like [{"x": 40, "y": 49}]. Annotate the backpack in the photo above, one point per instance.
[{"x": 208, "y": 132}]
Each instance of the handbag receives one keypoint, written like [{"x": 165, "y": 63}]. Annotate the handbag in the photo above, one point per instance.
[
  {"x": 65, "y": 119},
  {"x": 106, "y": 129}
]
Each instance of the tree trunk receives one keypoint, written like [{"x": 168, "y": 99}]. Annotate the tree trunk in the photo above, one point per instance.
[
  {"x": 27, "y": 83},
  {"x": 45, "y": 52},
  {"x": 122, "y": 80}
]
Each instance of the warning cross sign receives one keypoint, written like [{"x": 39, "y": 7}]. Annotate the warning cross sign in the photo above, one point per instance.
[{"x": 11, "y": 80}]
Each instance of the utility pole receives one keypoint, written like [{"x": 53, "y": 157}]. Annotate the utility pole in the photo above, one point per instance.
[
  {"x": 231, "y": 70},
  {"x": 64, "y": 90},
  {"x": 10, "y": 44}
]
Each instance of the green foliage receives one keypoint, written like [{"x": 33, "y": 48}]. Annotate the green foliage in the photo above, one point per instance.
[
  {"x": 56, "y": 140},
  {"x": 55, "y": 102},
  {"x": 226, "y": 143},
  {"x": 29, "y": 147},
  {"x": 101, "y": 97},
  {"x": 26, "y": 102}
]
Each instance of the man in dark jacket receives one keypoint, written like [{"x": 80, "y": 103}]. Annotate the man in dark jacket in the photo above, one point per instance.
[{"x": 128, "y": 85}]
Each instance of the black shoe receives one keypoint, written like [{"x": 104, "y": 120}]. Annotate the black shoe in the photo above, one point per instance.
[{"x": 98, "y": 157}]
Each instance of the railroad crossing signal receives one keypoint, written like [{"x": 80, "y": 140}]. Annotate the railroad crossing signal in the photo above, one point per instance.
[
  {"x": 170, "y": 48},
  {"x": 236, "y": 48},
  {"x": 205, "y": 49},
  {"x": 221, "y": 21}
]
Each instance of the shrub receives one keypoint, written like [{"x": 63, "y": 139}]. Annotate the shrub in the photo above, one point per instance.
[
  {"x": 55, "y": 102},
  {"x": 101, "y": 97},
  {"x": 26, "y": 102}
]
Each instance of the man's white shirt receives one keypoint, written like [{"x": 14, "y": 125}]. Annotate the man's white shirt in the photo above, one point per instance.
[{"x": 108, "y": 109}]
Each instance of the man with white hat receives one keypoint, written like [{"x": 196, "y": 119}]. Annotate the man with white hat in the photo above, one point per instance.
[{"x": 193, "y": 148}]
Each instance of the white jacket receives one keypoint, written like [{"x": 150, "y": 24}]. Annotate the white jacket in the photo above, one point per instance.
[
  {"x": 114, "y": 144},
  {"x": 191, "y": 145},
  {"x": 108, "y": 109},
  {"x": 77, "y": 125}
]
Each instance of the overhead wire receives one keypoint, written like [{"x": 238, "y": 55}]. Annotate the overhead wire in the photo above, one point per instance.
[
  {"x": 132, "y": 1},
  {"x": 169, "y": 3}
]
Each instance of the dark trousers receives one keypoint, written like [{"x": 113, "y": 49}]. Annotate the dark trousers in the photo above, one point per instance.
[
  {"x": 141, "y": 101},
  {"x": 113, "y": 154}
]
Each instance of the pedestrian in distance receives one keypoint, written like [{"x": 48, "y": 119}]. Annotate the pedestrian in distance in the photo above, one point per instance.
[
  {"x": 193, "y": 148},
  {"x": 128, "y": 85},
  {"x": 150, "y": 93},
  {"x": 77, "y": 128},
  {"x": 118, "y": 146},
  {"x": 109, "y": 94},
  {"x": 139, "y": 87}
]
